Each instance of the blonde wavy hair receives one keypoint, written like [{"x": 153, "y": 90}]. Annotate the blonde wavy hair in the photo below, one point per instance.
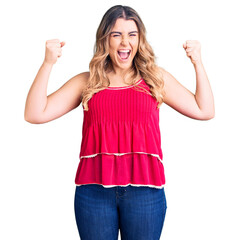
[{"x": 143, "y": 63}]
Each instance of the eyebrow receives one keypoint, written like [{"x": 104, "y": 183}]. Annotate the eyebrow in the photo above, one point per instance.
[{"x": 121, "y": 32}]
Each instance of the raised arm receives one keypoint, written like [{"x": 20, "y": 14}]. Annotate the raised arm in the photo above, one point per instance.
[
  {"x": 39, "y": 107},
  {"x": 199, "y": 105}
]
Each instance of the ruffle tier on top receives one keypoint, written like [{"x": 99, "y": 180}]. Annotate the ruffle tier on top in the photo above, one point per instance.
[{"x": 121, "y": 142}]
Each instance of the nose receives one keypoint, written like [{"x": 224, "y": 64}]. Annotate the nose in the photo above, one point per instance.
[{"x": 124, "y": 41}]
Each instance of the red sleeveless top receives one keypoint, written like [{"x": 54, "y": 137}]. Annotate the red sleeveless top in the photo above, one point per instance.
[{"x": 121, "y": 140}]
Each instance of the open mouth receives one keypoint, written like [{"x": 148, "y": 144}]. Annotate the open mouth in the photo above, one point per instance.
[{"x": 124, "y": 54}]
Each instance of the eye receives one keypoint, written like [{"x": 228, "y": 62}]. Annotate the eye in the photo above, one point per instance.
[
  {"x": 132, "y": 35},
  {"x": 116, "y": 35}
]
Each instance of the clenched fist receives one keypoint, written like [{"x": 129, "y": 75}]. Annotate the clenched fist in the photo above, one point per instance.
[
  {"x": 53, "y": 50},
  {"x": 193, "y": 50}
]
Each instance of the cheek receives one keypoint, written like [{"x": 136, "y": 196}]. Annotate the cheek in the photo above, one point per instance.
[
  {"x": 113, "y": 45},
  {"x": 135, "y": 43},
  {"x": 135, "y": 46}
]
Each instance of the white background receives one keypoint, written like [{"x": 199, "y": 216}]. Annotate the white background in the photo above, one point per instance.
[{"x": 39, "y": 161}]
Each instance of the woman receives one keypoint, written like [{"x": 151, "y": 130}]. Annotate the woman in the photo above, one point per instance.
[{"x": 120, "y": 179}]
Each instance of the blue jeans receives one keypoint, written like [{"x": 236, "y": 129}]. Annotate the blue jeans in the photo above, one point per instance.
[{"x": 138, "y": 212}]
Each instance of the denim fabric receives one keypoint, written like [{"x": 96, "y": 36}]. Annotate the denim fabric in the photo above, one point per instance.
[{"x": 138, "y": 212}]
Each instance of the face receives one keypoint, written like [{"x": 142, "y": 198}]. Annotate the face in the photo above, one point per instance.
[{"x": 123, "y": 43}]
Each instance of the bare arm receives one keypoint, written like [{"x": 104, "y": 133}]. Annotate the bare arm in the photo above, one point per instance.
[
  {"x": 203, "y": 94},
  {"x": 199, "y": 105},
  {"x": 58, "y": 103},
  {"x": 37, "y": 96},
  {"x": 41, "y": 108}
]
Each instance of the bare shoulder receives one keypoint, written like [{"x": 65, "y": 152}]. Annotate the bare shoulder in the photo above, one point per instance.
[
  {"x": 168, "y": 78},
  {"x": 80, "y": 80},
  {"x": 163, "y": 71}
]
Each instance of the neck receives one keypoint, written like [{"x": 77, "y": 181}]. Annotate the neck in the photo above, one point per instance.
[{"x": 119, "y": 72}]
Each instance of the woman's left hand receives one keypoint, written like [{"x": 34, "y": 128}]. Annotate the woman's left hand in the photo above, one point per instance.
[{"x": 193, "y": 50}]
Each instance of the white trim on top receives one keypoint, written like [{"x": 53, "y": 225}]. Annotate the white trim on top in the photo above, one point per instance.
[
  {"x": 132, "y": 184},
  {"x": 120, "y": 154},
  {"x": 124, "y": 87}
]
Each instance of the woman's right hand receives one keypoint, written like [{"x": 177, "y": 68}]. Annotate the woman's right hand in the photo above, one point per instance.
[{"x": 53, "y": 50}]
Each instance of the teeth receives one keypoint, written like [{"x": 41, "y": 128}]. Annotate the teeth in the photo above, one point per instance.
[{"x": 124, "y": 51}]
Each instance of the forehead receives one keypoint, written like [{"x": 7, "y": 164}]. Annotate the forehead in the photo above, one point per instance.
[{"x": 125, "y": 25}]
